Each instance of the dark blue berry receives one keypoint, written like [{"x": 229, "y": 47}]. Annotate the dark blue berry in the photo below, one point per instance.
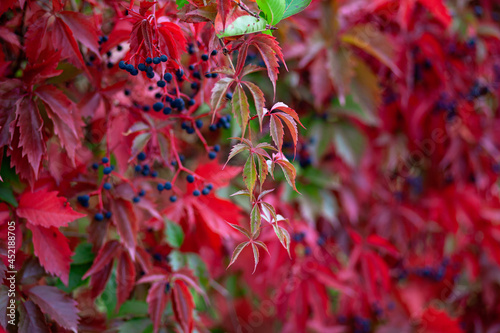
[
  {"x": 197, "y": 75},
  {"x": 108, "y": 215},
  {"x": 156, "y": 60},
  {"x": 137, "y": 168},
  {"x": 141, "y": 67},
  {"x": 150, "y": 75},
  {"x": 212, "y": 155},
  {"x": 229, "y": 96},
  {"x": 168, "y": 186},
  {"x": 104, "y": 38},
  {"x": 181, "y": 157},
  {"x": 205, "y": 191},
  {"x": 146, "y": 108},
  {"x": 196, "y": 193},
  {"x": 130, "y": 67},
  {"x": 126, "y": 92},
  {"x": 158, "y": 95},
  {"x": 214, "y": 75},
  {"x": 208, "y": 75},
  {"x": 149, "y": 60},
  {"x": 184, "y": 125},
  {"x": 134, "y": 72},
  {"x": 149, "y": 69},
  {"x": 173, "y": 163},
  {"x": 204, "y": 57},
  {"x": 108, "y": 53},
  {"x": 141, "y": 156},
  {"x": 179, "y": 73},
  {"x": 191, "y": 102},
  {"x": 213, "y": 127},
  {"x": 167, "y": 110},
  {"x": 136, "y": 199},
  {"x": 107, "y": 186},
  {"x": 163, "y": 58},
  {"x": 190, "y": 130},
  {"x": 167, "y": 287},
  {"x": 83, "y": 198},
  {"x": 217, "y": 148},
  {"x": 142, "y": 193},
  {"x": 160, "y": 187},
  {"x": 194, "y": 85},
  {"x": 119, "y": 47},
  {"x": 146, "y": 167},
  {"x": 190, "y": 178},
  {"x": 107, "y": 170},
  {"x": 150, "y": 88},
  {"x": 199, "y": 123},
  {"x": 99, "y": 217},
  {"x": 173, "y": 198},
  {"x": 161, "y": 83},
  {"x": 167, "y": 77},
  {"x": 105, "y": 160},
  {"x": 191, "y": 49},
  {"x": 191, "y": 67},
  {"x": 122, "y": 65},
  {"x": 214, "y": 53},
  {"x": 154, "y": 174},
  {"x": 145, "y": 172},
  {"x": 158, "y": 106},
  {"x": 210, "y": 186},
  {"x": 95, "y": 166}
]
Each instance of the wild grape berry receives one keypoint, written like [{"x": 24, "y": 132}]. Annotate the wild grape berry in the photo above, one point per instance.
[
  {"x": 141, "y": 67},
  {"x": 199, "y": 123},
  {"x": 204, "y": 57},
  {"x": 197, "y": 75},
  {"x": 126, "y": 92},
  {"x": 191, "y": 102},
  {"x": 190, "y": 178},
  {"x": 208, "y": 75},
  {"x": 160, "y": 187},
  {"x": 173, "y": 198},
  {"x": 138, "y": 168},
  {"x": 196, "y": 193},
  {"x": 108, "y": 53},
  {"x": 99, "y": 217},
  {"x": 167, "y": 77},
  {"x": 181, "y": 157},
  {"x": 110, "y": 65},
  {"x": 158, "y": 95},
  {"x": 108, "y": 215},
  {"x": 168, "y": 186},
  {"x": 142, "y": 193},
  {"x": 95, "y": 166},
  {"x": 150, "y": 88},
  {"x": 107, "y": 170},
  {"x": 210, "y": 186},
  {"x": 212, "y": 155},
  {"x": 217, "y": 148},
  {"x": 191, "y": 67},
  {"x": 122, "y": 65},
  {"x": 163, "y": 58},
  {"x": 158, "y": 106},
  {"x": 150, "y": 75},
  {"x": 107, "y": 186},
  {"x": 205, "y": 191},
  {"x": 149, "y": 69},
  {"x": 136, "y": 199},
  {"x": 129, "y": 67},
  {"x": 105, "y": 160},
  {"x": 156, "y": 60},
  {"x": 149, "y": 61},
  {"x": 179, "y": 73},
  {"x": 145, "y": 172},
  {"x": 214, "y": 53},
  {"x": 145, "y": 108},
  {"x": 119, "y": 47},
  {"x": 213, "y": 127},
  {"x": 167, "y": 110},
  {"x": 141, "y": 156},
  {"x": 161, "y": 83},
  {"x": 83, "y": 199},
  {"x": 190, "y": 130},
  {"x": 214, "y": 75},
  {"x": 154, "y": 174},
  {"x": 194, "y": 85},
  {"x": 173, "y": 163},
  {"x": 191, "y": 49},
  {"x": 229, "y": 96}
]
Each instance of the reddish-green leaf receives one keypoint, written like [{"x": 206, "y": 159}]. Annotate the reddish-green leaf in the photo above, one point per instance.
[
  {"x": 258, "y": 97},
  {"x": 250, "y": 174},
  {"x": 126, "y": 223},
  {"x": 157, "y": 301},
  {"x": 248, "y": 69},
  {"x": 255, "y": 220},
  {"x": 241, "y": 109},
  {"x": 219, "y": 92},
  {"x": 276, "y": 128},
  {"x": 289, "y": 171},
  {"x": 106, "y": 254},
  {"x": 237, "y": 252},
  {"x": 125, "y": 278},
  {"x": 256, "y": 255},
  {"x": 237, "y": 148},
  {"x": 242, "y": 230}
]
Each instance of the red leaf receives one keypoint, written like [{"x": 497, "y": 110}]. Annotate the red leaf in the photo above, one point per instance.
[
  {"x": 46, "y": 209},
  {"x": 434, "y": 321},
  {"x": 126, "y": 223},
  {"x": 125, "y": 278},
  {"x": 223, "y": 8},
  {"x": 141, "y": 40},
  {"x": 157, "y": 301},
  {"x": 64, "y": 40},
  {"x": 30, "y": 124},
  {"x": 83, "y": 28},
  {"x": 183, "y": 305},
  {"x": 34, "y": 38},
  {"x": 55, "y": 303},
  {"x": 217, "y": 176},
  {"x": 31, "y": 319},
  {"x": 172, "y": 39},
  {"x": 60, "y": 110},
  {"x": 99, "y": 280},
  {"x": 109, "y": 251},
  {"x": 439, "y": 10},
  {"x": 52, "y": 249}
]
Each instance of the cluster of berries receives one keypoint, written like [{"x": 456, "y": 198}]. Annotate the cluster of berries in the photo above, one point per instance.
[{"x": 145, "y": 169}]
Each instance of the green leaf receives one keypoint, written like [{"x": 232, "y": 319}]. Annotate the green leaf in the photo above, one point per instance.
[
  {"x": 83, "y": 254},
  {"x": 174, "y": 234},
  {"x": 349, "y": 143},
  {"x": 241, "y": 109},
  {"x": 237, "y": 148},
  {"x": 273, "y": 9},
  {"x": 176, "y": 260},
  {"x": 293, "y": 7},
  {"x": 181, "y": 3},
  {"x": 7, "y": 195},
  {"x": 199, "y": 268},
  {"x": 135, "y": 325},
  {"x": 135, "y": 308},
  {"x": 241, "y": 229},
  {"x": 263, "y": 169},
  {"x": 250, "y": 174},
  {"x": 255, "y": 220},
  {"x": 245, "y": 24}
]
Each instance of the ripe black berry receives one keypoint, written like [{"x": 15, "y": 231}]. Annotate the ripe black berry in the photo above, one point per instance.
[
  {"x": 107, "y": 170},
  {"x": 196, "y": 193},
  {"x": 160, "y": 187},
  {"x": 173, "y": 198},
  {"x": 205, "y": 191},
  {"x": 108, "y": 53},
  {"x": 108, "y": 215},
  {"x": 194, "y": 85},
  {"x": 95, "y": 166},
  {"x": 126, "y": 92},
  {"x": 150, "y": 75},
  {"x": 212, "y": 155},
  {"x": 167, "y": 110},
  {"x": 214, "y": 53},
  {"x": 214, "y": 75},
  {"x": 163, "y": 58},
  {"x": 204, "y": 57},
  {"x": 154, "y": 174},
  {"x": 136, "y": 199},
  {"x": 190, "y": 178},
  {"x": 210, "y": 186},
  {"x": 149, "y": 69},
  {"x": 105, "y": 160},
  {"x": 199, "y": 123},
  {"x": 191, "y": 67},
  {"x": 217, "y": 148},
  {"x": 99, "y": 217},
  {"x": 149, "y": 60},
  {"x": 141, "y": 156},
  {"x": 107, "y": 186},
  {"x": 167, "y": 77},
  {"x": 229, "y": 96},
  {"x": 168, "y": 186},
  {"x": 161, "y": 83},
  {"x": 156, "y": 60},
  {"x": 141, "y": 67},
  {"x": 145, "y": 108},
  {"x": 119, "y": 47},
  {"x": 142, "y": 193},
  {"x": 158, "y": 106},
  {"x": 197, "y": 75},
  {"x": 213, "y": 127},
  {"x": 137, "y": 168},
  {"x": 179, "y": 73},
  {"x": 122, "y": 64}
]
